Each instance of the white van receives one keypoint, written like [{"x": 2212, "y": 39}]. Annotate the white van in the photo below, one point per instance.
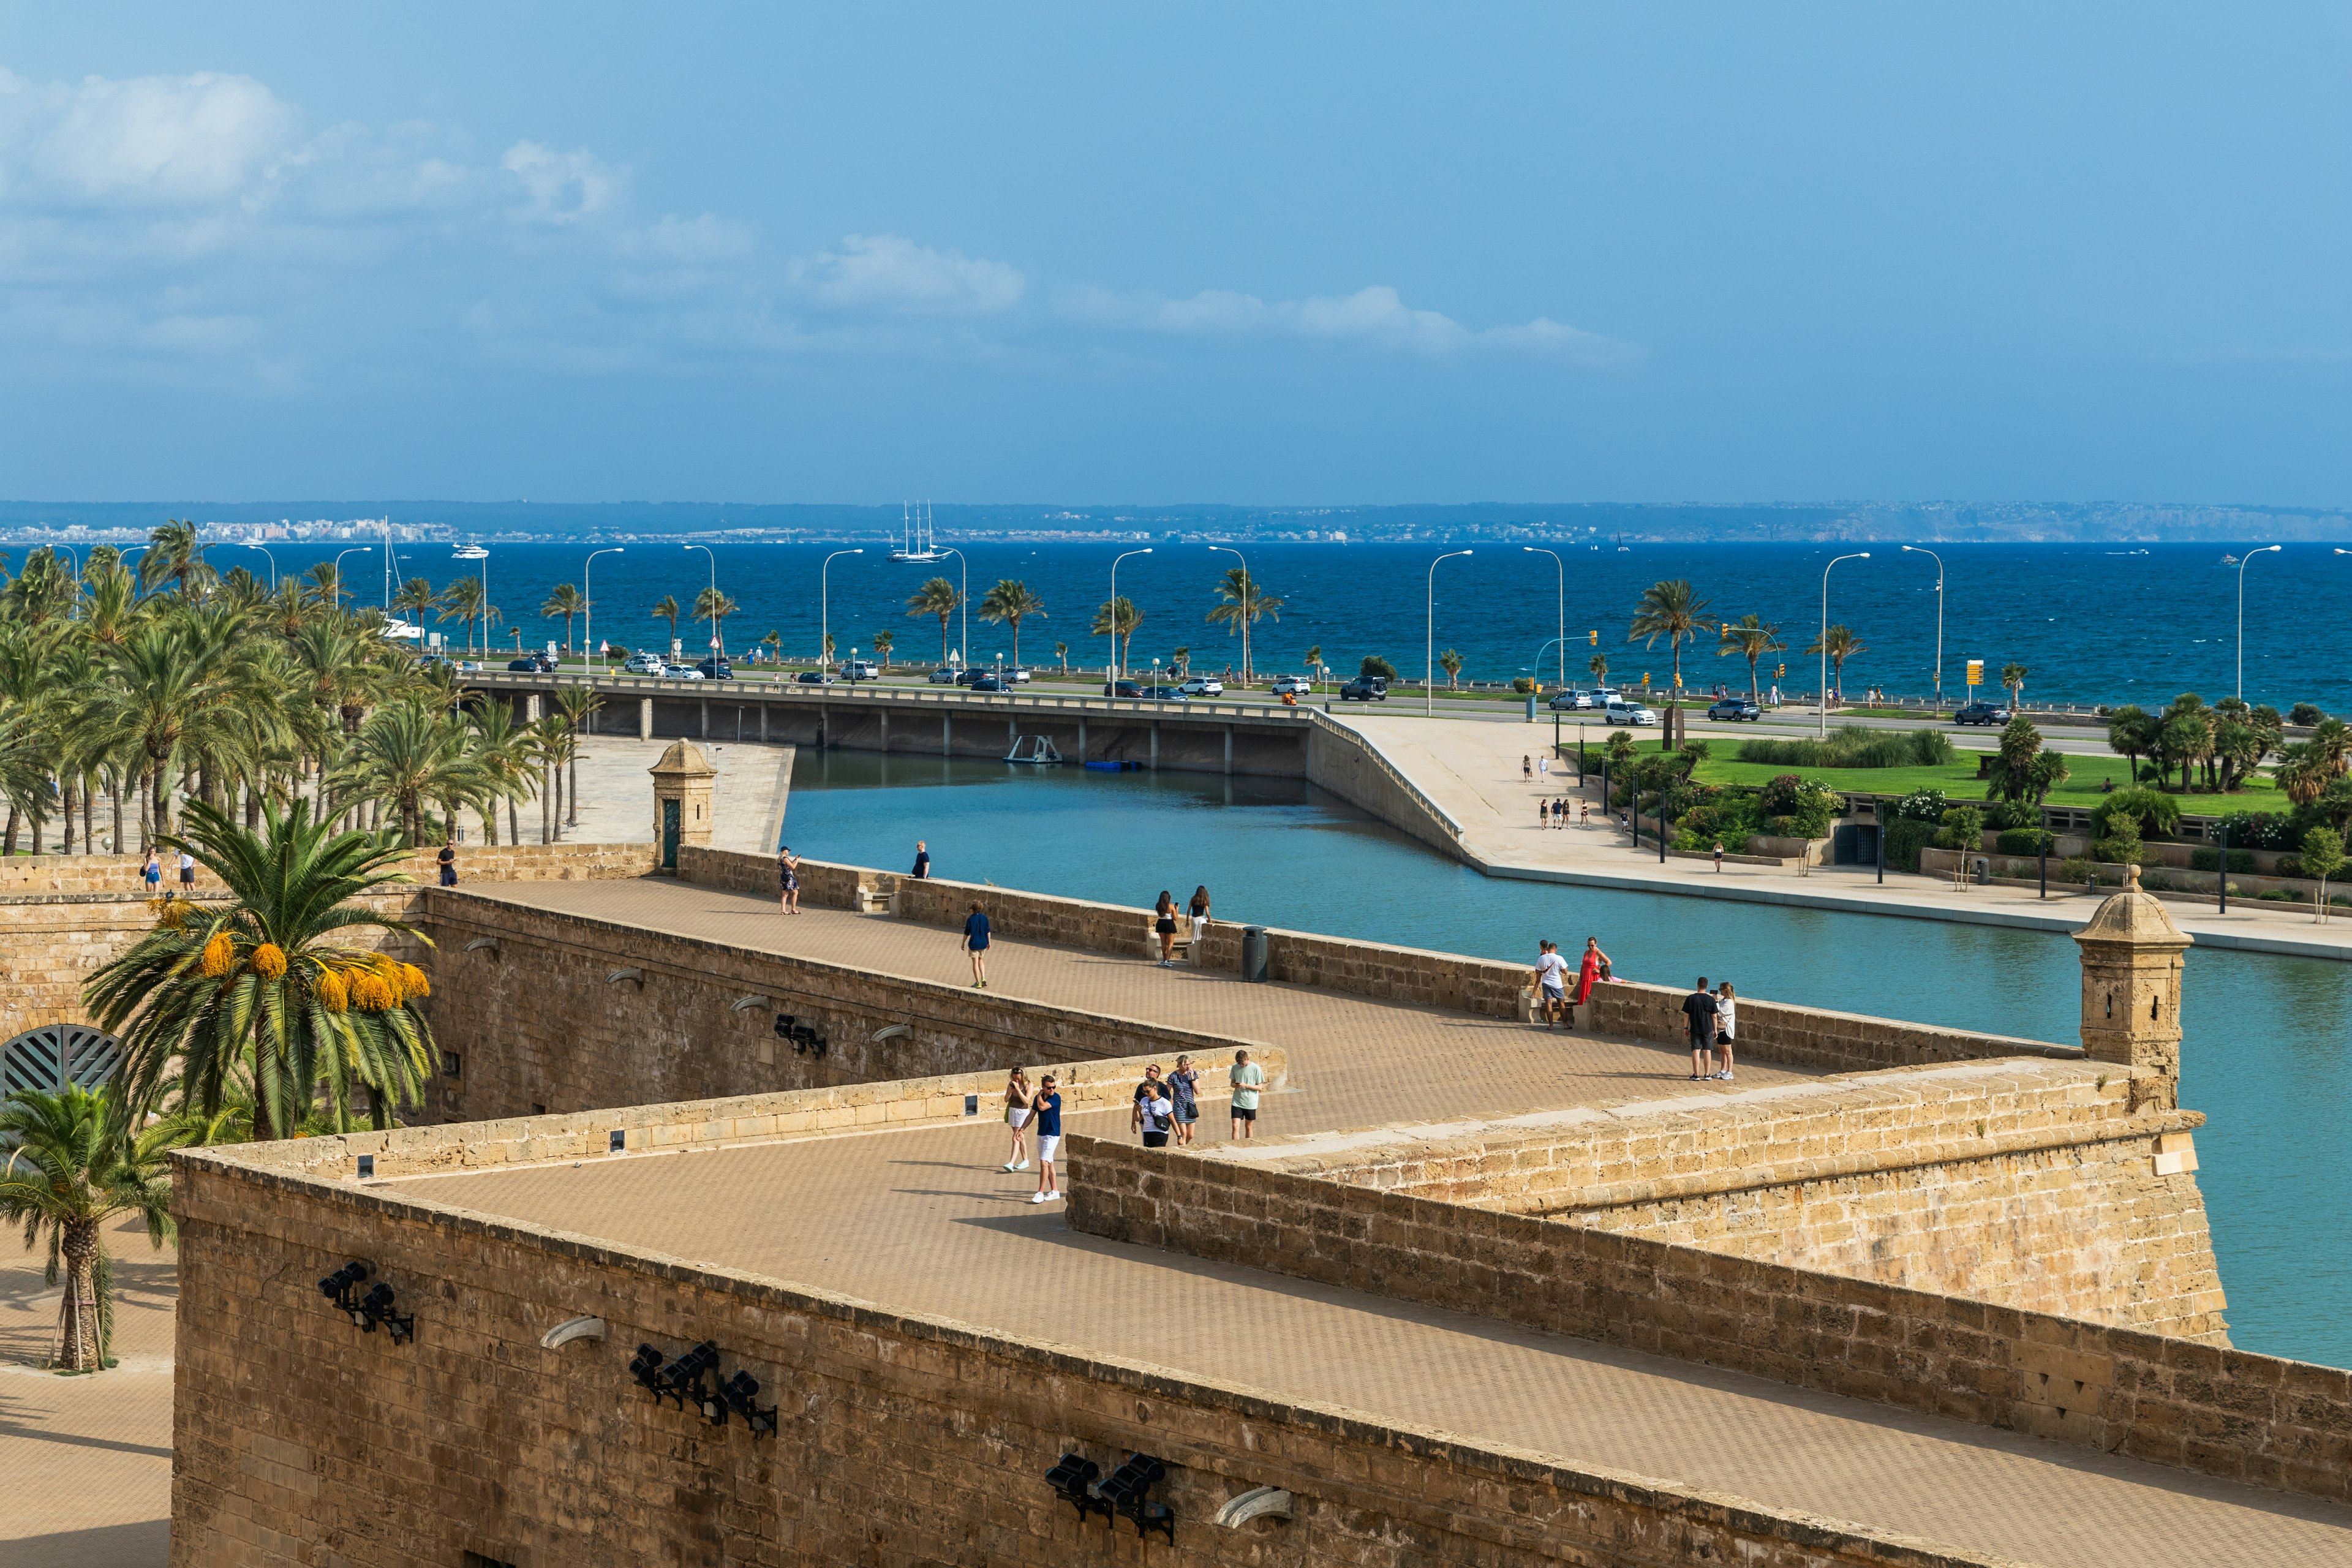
[{"x": 1622, "y": 710}]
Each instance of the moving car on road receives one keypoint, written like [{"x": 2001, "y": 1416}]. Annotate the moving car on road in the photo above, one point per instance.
[
  {"x": 716, "y": 669},
  {"x": 1365, "y": 688},
  {"x": 1202, "y": 686},
  {"x": 1121, "y": 688},
  {"x": 1163, "y": 694},
  {"x": 814, "y": 677},
  {"x": 1735, "y": 708},
  {"x": 945, "y": 675},
  {"x": 1981, "y": 713},
  {"x": 532, "y": 664},
  {"x": 989, "y": 683},
  {"x": 1292, "y": 686},
  {"x": 860, "y": 669},
  {"x": 1570, "y": 701},
  {"x": 1622, "y": 712},
  {"x": 644, "y": 664}
]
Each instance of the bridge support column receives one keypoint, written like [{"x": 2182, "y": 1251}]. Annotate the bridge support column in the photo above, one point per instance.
[
  {"x": 532, "y": 707},
  {"x": 1082, "y": 741},
  {"x": 764, "y": 722},
  {"x": 1229, "y": 750},
  {"x": 947, "y": 736},
  {"x": 1012, "y": 735},
  {"x": 706, "y": 718},
  {"x": 1155, "y": 745},
  {"x": 885, "y": 732},
  {"x": 645, "y": 718}
]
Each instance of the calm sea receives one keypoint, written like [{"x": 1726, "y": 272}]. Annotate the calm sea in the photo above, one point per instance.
[{"x": 2093, "y": 624}]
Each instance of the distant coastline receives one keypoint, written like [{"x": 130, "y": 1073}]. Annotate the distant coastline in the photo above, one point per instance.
[{"x": 23, "y": 523}]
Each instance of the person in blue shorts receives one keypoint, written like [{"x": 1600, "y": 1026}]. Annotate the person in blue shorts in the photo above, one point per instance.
[{"x": 975, "y": 942}]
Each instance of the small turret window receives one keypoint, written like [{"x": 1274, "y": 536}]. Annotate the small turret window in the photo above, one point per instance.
[{"x": 2111, "y": 1007}]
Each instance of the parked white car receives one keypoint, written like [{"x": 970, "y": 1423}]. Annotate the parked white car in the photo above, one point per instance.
[
  {"x": 644, "y": 664},
  {"x": 1202, "y": 686},
  {"x": 1292, "y": 686},
  {"x": 1621, "y": 711},
  {"x": 860, "y": 669},
  {"x": 681, "y": 672}
]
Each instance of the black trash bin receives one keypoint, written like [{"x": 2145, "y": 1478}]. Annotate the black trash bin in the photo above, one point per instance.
[{"x": 1253, "y": 960}]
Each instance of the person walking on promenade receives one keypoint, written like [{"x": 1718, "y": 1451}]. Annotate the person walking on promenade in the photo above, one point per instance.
[
  {"x": 448, "y": 859},
  {"x": 1584, "y": 813},
  {"x": 1719, "y": 856},
  {"x": 922, "y": 861},
  {"x": 1590, "y": 971},
  {"x": 1020, "y": 1100},
  {"x": 975, "y": 942},
  {"x": 1247, "y": 1078},
  {"x": 1156, "y": 1114},
  {"x": 1184, "y": 1090},
  {"x": 1527, "y": 769},
  {"x": 788, "y": 881},
  {"x": 1700, "y": 1008},
  {"x": 1163, "y": 920},
  {"x": 1049, "y": 1138},
  {"x": 152, "y": 874},
  {"x": 1726, "y": 1016},
  {"x": 1543, "y": 769},
  {"x": 1200, "y": 912},
  {"x": 1551, "y": 982},
  {"x": 1543, "y": 813},
  {"x": 187, "y": 874},
  {"x": 1146, "y": 1090}
]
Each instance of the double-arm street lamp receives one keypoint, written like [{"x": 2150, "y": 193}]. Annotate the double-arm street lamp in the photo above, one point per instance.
[
  {"x": 1823, "y": 642},
  {"x": 1429, "y": 666}
]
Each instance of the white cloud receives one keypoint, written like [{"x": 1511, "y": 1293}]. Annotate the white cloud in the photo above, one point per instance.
[
  {"x": 1377, "y": 317},
  {"x": 562, "y": 187},
  {"x": 154, "y": 141},
  {"x": 887, "y": 273}
]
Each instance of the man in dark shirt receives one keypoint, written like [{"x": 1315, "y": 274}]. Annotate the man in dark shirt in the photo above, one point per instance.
[
  {"x": 922, "y": 859},
  {"x": 1700, "y": 1008}
]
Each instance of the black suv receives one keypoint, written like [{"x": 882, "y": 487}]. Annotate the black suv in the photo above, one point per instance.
[
  {"x": 1981, "y": 713},
  {"x": 1735, "y": 708},
  {"x": 1121, "y": 688},
  {"x": 536, "y": 664},
  {"x": 1365, "y": 688},
  {"x": 715, "y": 669}
]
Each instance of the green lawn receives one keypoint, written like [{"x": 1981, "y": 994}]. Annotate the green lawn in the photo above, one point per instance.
[{"x": 1960, "y": 781}]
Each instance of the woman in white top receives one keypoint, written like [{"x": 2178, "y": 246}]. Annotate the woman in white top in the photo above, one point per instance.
[
  {"x": 1019, "y": 1101},
  {"x": 1726, "y": 1019}
]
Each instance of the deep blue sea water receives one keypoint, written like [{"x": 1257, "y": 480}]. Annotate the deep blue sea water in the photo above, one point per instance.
[
  {"x": 2264, "y": 1037},
  {"x": 2092, "y": 622}
]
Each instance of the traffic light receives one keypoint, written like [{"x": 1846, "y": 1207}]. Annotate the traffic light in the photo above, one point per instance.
[
  {"x": 1779, "y": 670},
  {"x": 1595, "y": 638},
  {"x": 1645, "y": 680},
  {"x": 1678, "y": 680}
]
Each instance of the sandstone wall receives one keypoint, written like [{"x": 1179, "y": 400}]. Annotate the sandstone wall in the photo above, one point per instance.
[
  {"x": 2154, "y": 1396},
  {"x": 901, "y": 1440},
  {"x": 538, "y": 1020},
  {"x": 1351, "y": 767},
  {"x": 2026, "y": 1186}
]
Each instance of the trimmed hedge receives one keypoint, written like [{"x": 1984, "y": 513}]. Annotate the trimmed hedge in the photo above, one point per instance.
[
  {"x": 2026, "y": 841},
  {"x": 1905, "y": 838},
  {"x": 2210, "y": 860}
]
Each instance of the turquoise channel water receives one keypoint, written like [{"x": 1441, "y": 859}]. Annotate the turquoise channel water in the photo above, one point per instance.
[{"x": 2263, "y": 1056}]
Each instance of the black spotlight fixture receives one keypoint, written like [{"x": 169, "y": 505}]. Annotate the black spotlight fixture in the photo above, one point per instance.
[
  {"x": 1128, "y": 1490},
  {"x": 645, "y": 1366},
  {"x": 684, "y": 1377},
  {"x": 377, "y": 1305},
  {"x": 803, "y": 1038},
  {"x": 741, "y": 1392},
  {"x": 1073, "y": 1480},
  {"x": 338, "y": 1287}
]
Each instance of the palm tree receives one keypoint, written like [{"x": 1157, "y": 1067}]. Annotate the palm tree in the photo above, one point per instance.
[
  {"x": 1314, "y": 657},
  {"x": 1246, "y": 604},
  {"x": 1062, "y": 652},
  {"x": 74, "y": 1169},
  {"x": 411, "y": 757},
  {"x": 45, "y": 590},
  {"x": 577, "y": 706},
  {"x": 263, "y": 986},
  {"x": 1117, "y": 619},
  {"x": 2302, "y": 772},
  {"x": 1672, "y": 610},
  {"x": 665, "y": 608},
  {"x": 568, "y": 602},
  {"x": 2332, "y": 738},
  {"x": 774, "y": 643},
  {"x": 712, "y": 605},
  {"x": 553, "y": 745},
  {"x": 2012, "y": 676},
  {"x": 1008, "y": 604},
  {"x": 1451, "y": 663},
  {"x": 1599, "y": 665},
  {"x": 884, "y": 641},
  {"x": 503, "y": 749},
  {"x": 174, "y": 551},
  {"x": 2131, "y": 733},
  {"x": 1839, "y": 643},
  {"x": 415, "y": 598},
  {"x": 937, "y": 597},
  {"x": 1180, "y": 658},
  {"x": 1750, "y": 639},
  {"x": 462, "y": 601}
]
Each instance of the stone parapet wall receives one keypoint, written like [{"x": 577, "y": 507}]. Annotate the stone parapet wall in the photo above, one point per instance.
[
  {"x": 792, "y": 1114},
  {"x": 119, "y": 874},
  {"x": 901, "y": 1438},
  {"x": 2159, "y": 1397},
  {"x": 2023, "y": 1184},
  {"x": 540, "y": 1019}
]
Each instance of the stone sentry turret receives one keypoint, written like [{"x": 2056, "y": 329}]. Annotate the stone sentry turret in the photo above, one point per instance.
[{"x": 2131, "y": 992}]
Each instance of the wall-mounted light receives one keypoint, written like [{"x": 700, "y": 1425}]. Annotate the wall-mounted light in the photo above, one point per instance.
[
  {"x": 690, "y": 1380},
  {"x": 741, "y": 1392},
  {"x": 635, "y": 976},
  {"x": 1073, "y": 1480},
  {"x": 745, "y": 1003},
  {"x": 377, "y": 1307},
  {"x": 490, "y": 943},
  {"x": 891, "y": 1032},
  {"x": 804, "y": 1037},
  {"x": 1128, "y": 1490},
  {"x": 571, "y": 1329}
]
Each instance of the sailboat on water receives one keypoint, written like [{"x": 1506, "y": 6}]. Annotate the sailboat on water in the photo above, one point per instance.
[{"x": 920, "y": 545}]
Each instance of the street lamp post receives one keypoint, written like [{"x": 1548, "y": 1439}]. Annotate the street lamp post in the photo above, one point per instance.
[
  {"x": 1118, "y": 649},
  {"x": 1246, "y": 585},
  {"x": 588, "y": 596},
  {"x": 1560, "y": 572},
  {"x": 1939, "y": 560},
  {"x": 241, "y": 544},
  {"x": 1429, "y": 650},
  {"x": 2243, "y": 565},
  {"x": 824, "y": 608},
  {"x": 354, "y": 550},
  {"x": 963, "y": 607},
  {"x": 716, "y": 653},
  {"x": 1823, "y": 642}
]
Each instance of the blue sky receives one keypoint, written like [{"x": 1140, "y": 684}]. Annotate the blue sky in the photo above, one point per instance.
[{"x": 1353, "y": 254}]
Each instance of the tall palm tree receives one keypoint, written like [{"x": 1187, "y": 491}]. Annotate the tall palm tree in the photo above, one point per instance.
[
  {"x": 1840, "y": 644},
  {"x": 325, "y": 580},
  {"x": 1009, "y": 603},
  {"x": 884, "y": 641},
  {"x": 1599, "y": 665},
  {"x": 1671, "y": 610},
  {"x": 267, "y": 985},
  {"x": 1450, "y": 662},
  {"x": 74, "y": 1168},
  {"x": 712, "y": 605},
  {"x": 665, "y": 608},
  {"x": 553, "y": 745},
  {"x": 1117, "y": 619},
  {"x": 568, "y": 602},
  {"x": 410, "y": 757},
  {"x": 462, "y": 602},
  {"x": 45, "y": 590},
  {"x": 577, "y": 705},
  {"x": 1244, "y": 603},
  {"x": 504, "y": 750},
  {"x": 1750, "y": 639},
  {"x": 2012, "y": 677},
  {"x": 937, "y": 597},
  {"x": 415, "y": 598},
  {"x": 2131, "y": 733},
  {"x": 175, "y": 552}
]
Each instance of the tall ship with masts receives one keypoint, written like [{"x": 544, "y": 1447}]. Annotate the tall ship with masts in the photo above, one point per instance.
[{"x": 920, "y": 544}]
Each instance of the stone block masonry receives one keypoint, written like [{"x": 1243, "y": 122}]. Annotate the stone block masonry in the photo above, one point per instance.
[
  {"x": 2025, "y": 1184},
  {"x": 2173, "y": 1400},
  {"x": 901, "y": 1438},
  {"x": 566, "y": 1012}
]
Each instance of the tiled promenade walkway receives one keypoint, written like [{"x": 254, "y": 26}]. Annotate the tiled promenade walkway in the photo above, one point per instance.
[{"x": 922, "y": 1221}]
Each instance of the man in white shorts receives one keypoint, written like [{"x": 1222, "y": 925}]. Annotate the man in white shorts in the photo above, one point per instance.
[
  {"x": 1048, "y": 1118},
  {"x": 1551, "y": 982}
]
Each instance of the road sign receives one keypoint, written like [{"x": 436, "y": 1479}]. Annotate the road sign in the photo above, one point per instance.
[{"x": 1976, "y": 672}]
